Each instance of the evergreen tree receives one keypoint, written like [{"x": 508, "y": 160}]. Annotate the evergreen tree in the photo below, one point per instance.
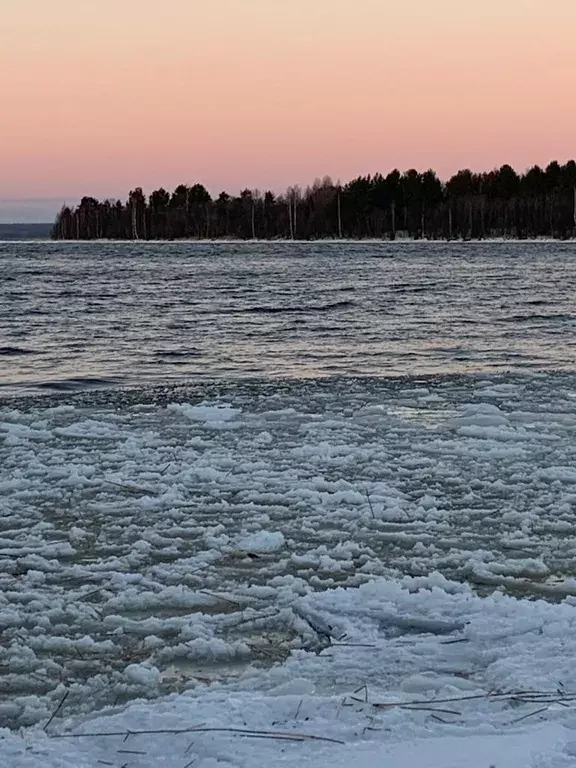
[{"x": 499, "y": 203}]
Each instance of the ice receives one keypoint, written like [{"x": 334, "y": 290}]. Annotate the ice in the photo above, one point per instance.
[
  {"x": 144, "y": 675},
  {"x": 262, "y": 541},
  {"x": 253, "y": 560},
  {"x": 210, "y": 415},
  {"x": 372, "y": 691}
]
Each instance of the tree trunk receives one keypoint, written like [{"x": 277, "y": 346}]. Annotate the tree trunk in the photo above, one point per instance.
[
  {"x": 290, "y": 218},
  {"x": 134, "y": 225}
]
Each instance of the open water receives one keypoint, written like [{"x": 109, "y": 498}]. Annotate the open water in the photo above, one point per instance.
[{"x": 78, "y": 315}]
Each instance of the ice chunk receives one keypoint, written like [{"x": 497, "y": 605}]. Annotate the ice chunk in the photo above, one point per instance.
[
  {"x": 144, "y": 675},
  {"x": 262, "y": 541},
  {"x": 206, "y": 413}
]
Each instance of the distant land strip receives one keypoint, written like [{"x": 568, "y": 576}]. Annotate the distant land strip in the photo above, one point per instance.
[
  {"x": 25, "y": 231},
  {"x": 541, "y": 202}
]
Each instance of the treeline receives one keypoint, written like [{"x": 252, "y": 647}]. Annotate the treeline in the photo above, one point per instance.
[{"x": 500, "y": 203}]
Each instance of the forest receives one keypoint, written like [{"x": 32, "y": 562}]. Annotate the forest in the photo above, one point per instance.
[{"x": 541, "y": 202}]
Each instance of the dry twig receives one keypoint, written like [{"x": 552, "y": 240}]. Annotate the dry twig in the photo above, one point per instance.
[
  {"x": 253, "y": 734},
  {"x": 58, "y": 708}
]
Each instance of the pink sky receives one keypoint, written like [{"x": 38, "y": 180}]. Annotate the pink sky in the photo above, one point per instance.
[{"x": 97, "y": 98}]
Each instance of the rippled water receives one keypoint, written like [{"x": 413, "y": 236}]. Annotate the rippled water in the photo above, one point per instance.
[{"x": 94, "y": 314}]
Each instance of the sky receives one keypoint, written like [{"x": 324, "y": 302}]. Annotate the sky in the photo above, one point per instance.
[{"x": 97, "y": 98}]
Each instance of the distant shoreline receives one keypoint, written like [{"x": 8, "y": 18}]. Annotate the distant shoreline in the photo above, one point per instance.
[
  {"x": 19, "y": 231},
  {"x": 400, "y": 241},
  {"x": 468, "y": 206}
]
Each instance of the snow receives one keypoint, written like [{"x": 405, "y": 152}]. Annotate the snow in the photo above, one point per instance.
[
  {"x": 545, "y": 747},
  {"x": 296, "y": 559},
  {"x": 395, "y": 642}
]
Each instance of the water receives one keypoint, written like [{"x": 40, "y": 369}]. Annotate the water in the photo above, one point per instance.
[
  {"x": 379, "y": 410},
  {"x": 78, "y": 315}
]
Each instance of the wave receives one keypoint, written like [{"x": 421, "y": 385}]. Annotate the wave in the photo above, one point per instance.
[
  {"x": 15, "y": 351},
  {"x": 177, "y": 353},
  {"x": 76, "y": 383},
  {"x": 263, "y": 310},
  {"x": 537, "y": 316},
  {"x": 407, "y": 288}
]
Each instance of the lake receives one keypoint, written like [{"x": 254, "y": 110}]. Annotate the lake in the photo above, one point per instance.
[{"x": 77, "y": 315}]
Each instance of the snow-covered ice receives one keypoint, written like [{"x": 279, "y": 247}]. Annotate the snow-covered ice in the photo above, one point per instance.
[
  {"x": 369, "y": 696},
  {"x": 284, "y": 558}
]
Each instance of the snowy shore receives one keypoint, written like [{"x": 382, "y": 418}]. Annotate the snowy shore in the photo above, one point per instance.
[{"x": 503, "y": 679}]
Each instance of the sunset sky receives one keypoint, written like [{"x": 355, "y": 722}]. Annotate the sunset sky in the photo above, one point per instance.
[{"x": 100, "y": 97}]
